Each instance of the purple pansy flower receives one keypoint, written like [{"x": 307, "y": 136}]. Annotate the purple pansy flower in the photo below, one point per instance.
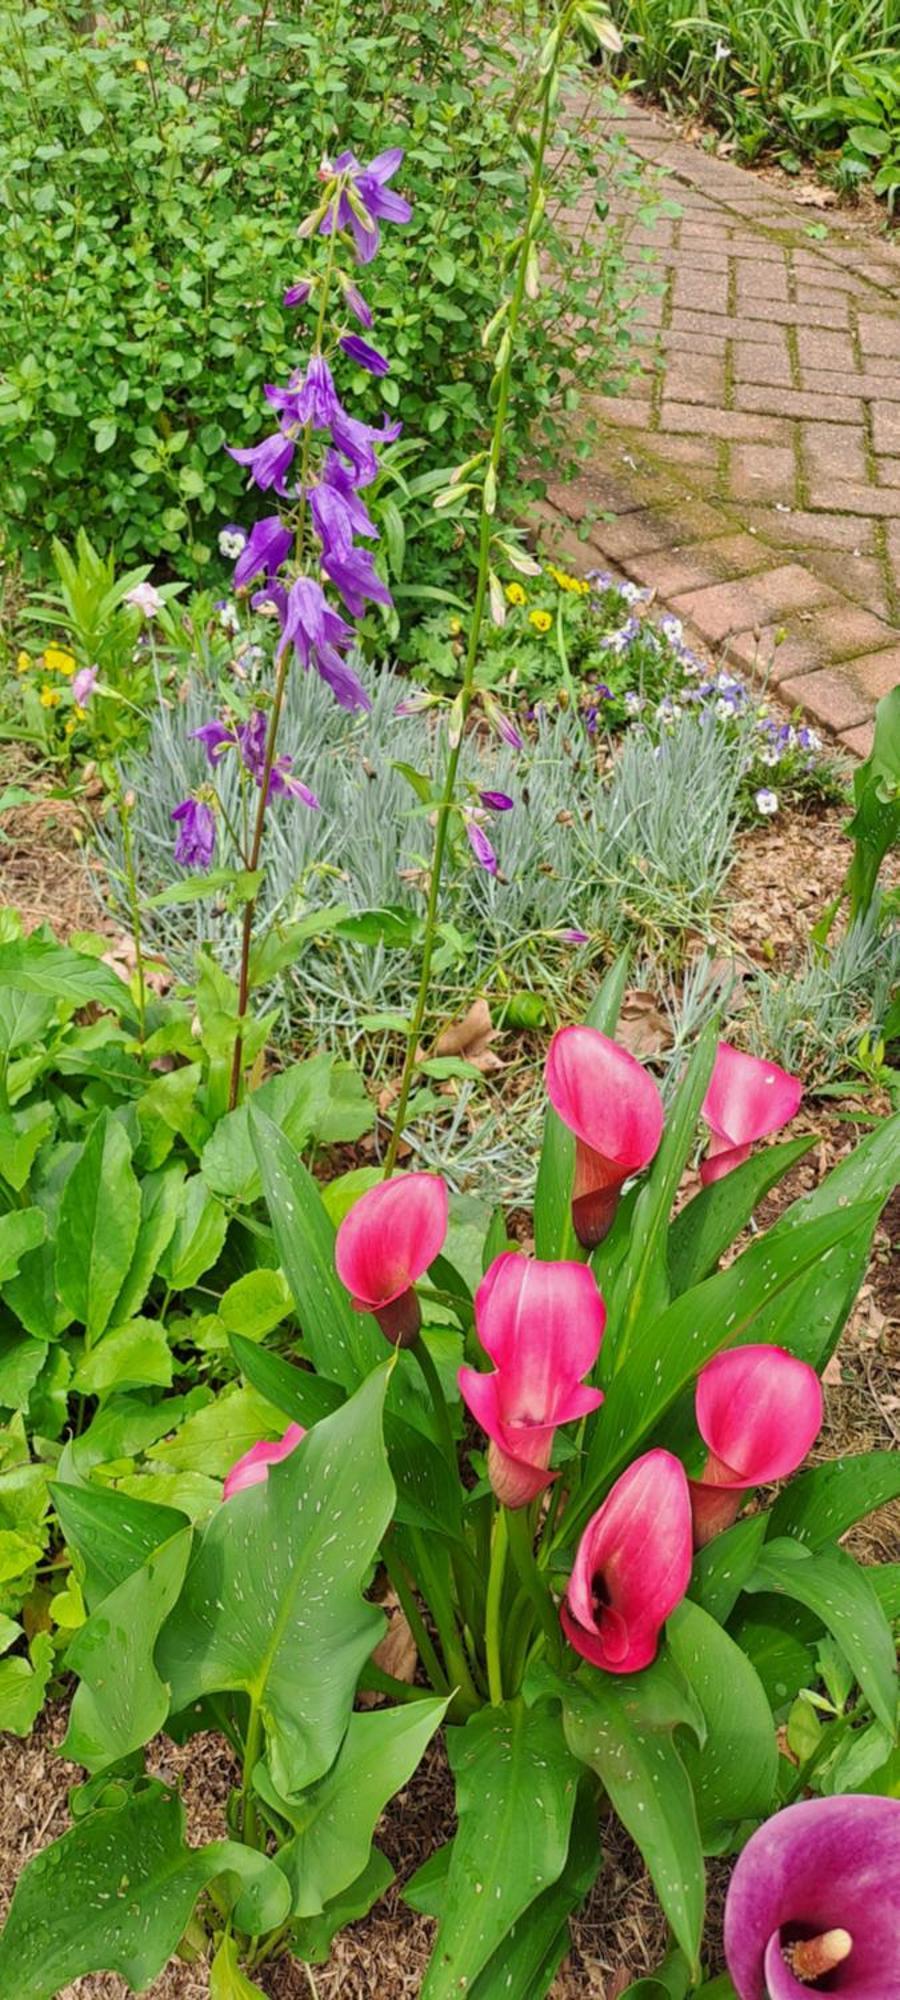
[
  {"x": 380, "y": 202},
  {"x": 268, "y": 544},
  {"x": 814, "y": 1902},
  {"x": 481, "y": 847},
  {"x": 196, "y": 842},
  {"x": 364, "y": 354}
]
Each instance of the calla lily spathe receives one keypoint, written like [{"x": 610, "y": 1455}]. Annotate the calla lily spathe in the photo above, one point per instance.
[
  {"x": 758, "y": 1412},
  {"x": 613, "y": 1107},
  {"x": 542, "y": 1325},
  {"x": 253, "y": 1468},
  {"x": 386, "y": 1242},
  {"x": 632, "y": 1568},
  {"x": 813, "y": 1904},
  {"x": 746, "y": 1100}
]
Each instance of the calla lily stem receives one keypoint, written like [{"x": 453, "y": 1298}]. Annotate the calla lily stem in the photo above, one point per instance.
[
  {"x": 253, "y": 1744},
  {"x": 521, "y": 1545},
  {"x": 499, "y": 1547}
]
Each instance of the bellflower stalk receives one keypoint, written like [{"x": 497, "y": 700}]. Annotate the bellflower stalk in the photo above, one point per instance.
[{"x": 507, "y": 322}]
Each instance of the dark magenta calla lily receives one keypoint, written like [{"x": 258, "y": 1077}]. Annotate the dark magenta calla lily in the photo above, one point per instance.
[
  {"x": 758, "y": 1411},
  {"x": 813, "y": 1905},
  {"x": 387, "y": 1241},
  {"x": 542, "y": 1325},
  {"x": 613, "y": 1107},
  {"x": 253, "y": 1468},
  {"x": 746, "y": 1100},
  {"x": 632, "y": 1568}
]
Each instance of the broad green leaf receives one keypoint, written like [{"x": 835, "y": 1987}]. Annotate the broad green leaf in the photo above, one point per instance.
[
  {"x": 226, "y": 1980},
  {"x": 22, "y": 1133},
  {"x": 21, "y": 1361},
  {"x": 711, "y": 1222},
  {"x": 313, "y": 1937},
  {"x": 334, "y": 1822},
  {"x": 296, "y": 1392},
  {"x": 241, "y": 884},
  {"x": 161, "y": 1202},
  {"x": 295, "y": 1100},
  {"x": 116, "y": 1892},
  {"x": 124, "y": 1427},
  {"x": 344, "y": 1345},
  {"x": 136, "y": 1356},
  {"x": 667, "y": 1353},
  {"x": 197, "y": 1239},
  {"x": 515, "y": 1796},
  {"x": 255, "y": 1303},
  {"x": 530, "y": 1957},
  {"x": 834, "y": 1588},
  {"x": 120, "y": 1701},
  {"x": 721, "y": 1569},
  {"x": 779, "y": 1639},
  {"x": 734, "y": 1775},
  {"x": 671, "y": 1982},
  {"x": 168, "y": 1110},
  {"x": 21, "y": 1231},
  {"x": 610, "y": 1725},
  {"x": 98, "y": 1226},
  {"x": 553, "y": 1233},
  {"x": 638, "y": 1291},
  {"x": 280, "y": 947},
  {"x": 23, "y": 1686},
  {"x": 214, "y": 1437},
  {"x": 18, "y": 1554},
  {"x": 339, "y": 1195},
  {"x": 820, "y": 1505},
  {"x": 885, "y": 1581},
  {"x": 41, "y": 966},
  {"x": 287, "y": 1559}
]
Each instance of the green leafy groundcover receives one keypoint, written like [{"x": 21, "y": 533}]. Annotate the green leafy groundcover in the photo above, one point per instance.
[{"x": 257, "y": 1617}]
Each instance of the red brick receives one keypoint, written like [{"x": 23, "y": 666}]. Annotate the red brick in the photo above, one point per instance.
[
  {"x": 800, "y": 529},
  {"x": 835, "y": 633},
  {"x": 703, "y": 291},
  {"x": 593, "y": 493},
  {"x": 873, "y": 500},
  {"x": 764, "y": 599},
  {"x": 862, "y": 578},
  {"x": 636, "y": 534},
  {"x": 757, "y": 279},
  {"x": 674, "y": 571},
  {"x": 877, "y": 673},
  {"x": 833, "y": 318},
  {"x": 696, "y": 378},
  {"x": 794, "y": 403},
  {"x": 739, "y": 424},
  {"x": 701, "y": 454},
  {"x": 766, "y": 362},
  {"x": 835, "y": 696},
  {"x": 762, "y": 472},
  {"x": 886, "y": 426},
  {"x": 834, "y": 451},
  {"x": 820, "y": 349},
  {"x": 879, "y": 335},
  {"x": 871, "y": 387},
  {"x": 887, "y": 471},
  {"x": 624, "y": 412}
]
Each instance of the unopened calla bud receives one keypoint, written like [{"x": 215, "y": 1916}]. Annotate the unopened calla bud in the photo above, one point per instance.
[{"x": 386, "y": 1242}]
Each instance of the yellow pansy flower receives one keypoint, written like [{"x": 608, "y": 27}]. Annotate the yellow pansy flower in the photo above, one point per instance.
[
  {"x": 541, "y": 620},
  {"x": 80, "y": 714},
  {"x": 23, "y": 662},
  {"x": 141, "y": 66},
  {"x": 58, "y": 661},
  {"x": 515, "y": 594},
  {"x": 50, "y": 697},
  {"x": 564, "y": 581},
  {"x": 70, "y": 728}
]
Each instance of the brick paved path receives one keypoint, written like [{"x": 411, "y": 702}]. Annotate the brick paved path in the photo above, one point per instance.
[{"x": 753, "y": 478}]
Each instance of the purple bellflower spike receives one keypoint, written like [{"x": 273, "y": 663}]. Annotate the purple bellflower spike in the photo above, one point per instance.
[
  {"x": 353, "y": 573},
  {"x": 213, "y": 736},
  {"x": 268, "y": 544},
  {"x": 337, "y": 515},
  {"x": 814, "y": 1902},
  {"x": 503, "y": 724},
  {"x": 297, "y": 295},
  {"x": 269, "y": 462},
  {"x": 354, "y": 441},
  {"x": 337, "y": 477},
  {"x": 364, "y": 354},
  {"x": 196, "y": 842},
  {"x": 379, "y": 201},
  {"x": 354, "y": 299},
  {"x": 498, "y": 802},
  {"x": 283, "y": 780},
  {"x": 317, "y": 632},
  {"x": 575, "y": 937},
  {"x": 252, "y": 741},
  {"x": 481, "y": 847},
  {"x": 315, "y": 401}
]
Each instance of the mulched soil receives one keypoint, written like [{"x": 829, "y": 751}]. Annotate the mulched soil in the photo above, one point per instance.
[{"x": 785, "y": 873}]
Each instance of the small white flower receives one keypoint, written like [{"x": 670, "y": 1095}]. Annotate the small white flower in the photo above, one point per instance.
[
  {"x": 145, "y": 599},
  {"x": 722, "y": 52},
  {"x": 232, "y": 542},
  {"x": 767, "y": 803},
  {"x": 672, "y": 628},
  {"x": 632, "y": 592},
  {"x": 771, "y": 757},
  {"x": 228, "y": 618},
  {"x": 634, "y": 702},
  {"x": 267, "y": 608}
]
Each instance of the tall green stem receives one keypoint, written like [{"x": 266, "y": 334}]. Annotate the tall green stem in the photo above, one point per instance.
[
  {"x": 134, "y": 909},
  {"x": 492, "y": 1621},
  {"x": 521, "y": 1543},
  {"x": 252, "y": 1749},
  {"x": 488, "y": 499}
]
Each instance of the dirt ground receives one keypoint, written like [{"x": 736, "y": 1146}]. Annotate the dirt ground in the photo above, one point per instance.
[{"x": 784, "y": 875}]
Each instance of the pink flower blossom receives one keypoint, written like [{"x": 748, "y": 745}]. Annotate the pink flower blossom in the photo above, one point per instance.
[
  {"x": 542, "y": 1325},
  {"x": 253, "y": 1468},
  {"x": 813, "y": 1904},
  {"x": 632, "y": 1568},
  {"x": 746, "y": 1100},
  {"x": 388, "y": 1240},
  {"x": 613, "y": 1107},
  {"x": 758, "y": 1411}
]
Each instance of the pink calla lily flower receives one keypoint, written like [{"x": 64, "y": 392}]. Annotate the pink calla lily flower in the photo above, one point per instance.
[
  {"x": 613, "y": 1107},
  {"x": 542, "y": 1325},
  {"x": 253, "y": 1468},
  {"x": 758, "y": 1411},
  {"x": 632, "y": 1568},
  {"x": 387, "y": 1241},
  {"x": 746, "y": 1100},
  {"x": 813, "y": 1904}
]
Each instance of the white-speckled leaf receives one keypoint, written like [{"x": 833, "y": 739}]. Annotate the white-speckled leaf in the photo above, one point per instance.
[
  {"x": 834, "y": 1588},
  {"x": 735, "y": 1773},
  {"x": 272, "y": 1604},
  {"x": 121, "y": 1701},
  {"x": 115, "y": 1895},
  {"x": 516, "y": 1785}
]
